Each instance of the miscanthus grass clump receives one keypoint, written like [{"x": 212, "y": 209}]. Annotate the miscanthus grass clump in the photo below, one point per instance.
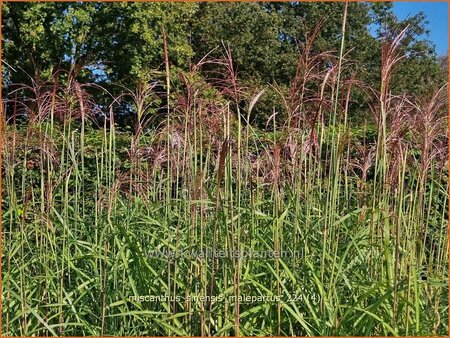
[{"x": 198, "y": 223}]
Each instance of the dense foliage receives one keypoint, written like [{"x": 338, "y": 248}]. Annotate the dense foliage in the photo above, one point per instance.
[
  {"x": 121, "y": 43},
  {"x": 151, "y": 152}
]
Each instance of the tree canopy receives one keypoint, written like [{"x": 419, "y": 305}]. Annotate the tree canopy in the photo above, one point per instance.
[{"x": 121, "y": 43}]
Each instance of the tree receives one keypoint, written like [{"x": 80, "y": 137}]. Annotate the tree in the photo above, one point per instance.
[
  {"x": 420, "y": 70},
  {"x": 248, "y": 29},
  {"x": 120, "y": 41}
]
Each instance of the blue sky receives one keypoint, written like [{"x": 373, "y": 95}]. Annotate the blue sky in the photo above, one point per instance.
[{"x": 437, "y": 16}]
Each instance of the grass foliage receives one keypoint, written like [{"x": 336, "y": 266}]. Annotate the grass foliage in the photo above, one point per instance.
[{"x": 358, "y": 215}]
